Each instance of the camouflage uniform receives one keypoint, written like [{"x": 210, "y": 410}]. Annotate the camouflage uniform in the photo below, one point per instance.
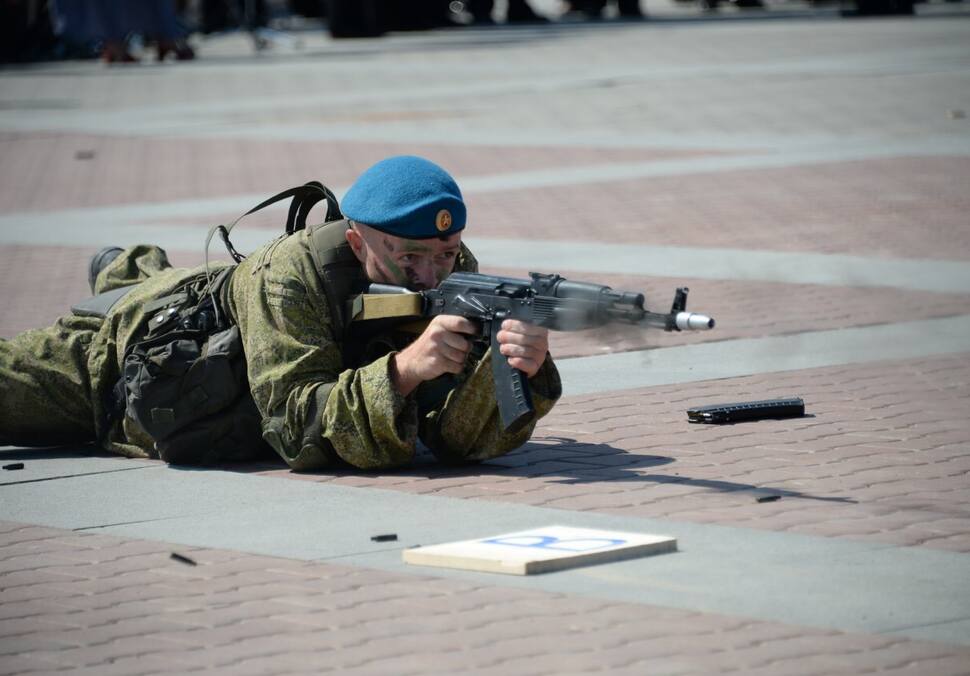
[{"x": 317, "y": 404}]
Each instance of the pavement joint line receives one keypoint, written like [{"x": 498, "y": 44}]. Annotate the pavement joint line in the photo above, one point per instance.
[
  {"x": 71, "y": 476},
  {"x": 121, "y": 523},
  {"x": 338, "y": 557},
  {"x": 932, "y": 624}
]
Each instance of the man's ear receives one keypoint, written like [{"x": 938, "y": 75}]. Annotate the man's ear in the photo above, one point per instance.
[{"x": 356, "y": 243}]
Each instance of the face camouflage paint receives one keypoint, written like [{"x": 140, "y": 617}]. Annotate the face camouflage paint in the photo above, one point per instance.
[{"x": 394, "y": 273}]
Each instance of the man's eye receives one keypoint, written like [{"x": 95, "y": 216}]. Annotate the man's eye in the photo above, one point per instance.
[
  {"x": 447, "y": 256},
  {"x": 408, "y": 259}
]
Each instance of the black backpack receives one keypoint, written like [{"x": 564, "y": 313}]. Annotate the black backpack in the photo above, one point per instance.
[{"x": 184, "y": 379}]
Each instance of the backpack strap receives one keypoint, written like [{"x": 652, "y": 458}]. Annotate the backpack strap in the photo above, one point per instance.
[
  {"x": 304, "y": 198},
  {"x": 310, "y": 194}
]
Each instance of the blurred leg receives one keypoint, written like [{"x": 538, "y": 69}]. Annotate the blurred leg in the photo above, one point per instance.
[
  {"x": 481, "y": 10},
  {"x": 45, "y": 389},
  {"x": 629, "y": 8},
  {"x": 519, "y": 10},
  {"x": 135, "y": 264}
]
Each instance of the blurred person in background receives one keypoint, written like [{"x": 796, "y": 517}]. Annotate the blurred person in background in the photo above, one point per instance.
[
  {"x": 26, "y": 33},
  {"x": 220, "y": 15},
  {"x": 110, "y": 23},
  {"x": 593, "y": 9},
  {"x": 518, "y": 11},
  {"x": 373, "y": 18}
]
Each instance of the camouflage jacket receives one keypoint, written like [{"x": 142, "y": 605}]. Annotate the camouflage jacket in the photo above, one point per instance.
[{"x": 318, "y": 405}]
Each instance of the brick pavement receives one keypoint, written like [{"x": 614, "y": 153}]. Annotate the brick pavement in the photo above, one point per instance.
[
  {"x": 828, "y": 208},
  {"x": 883, "y": 459},
  {"x": 881, "y": 456},
  {"x": 906, "y": 207},
  {"x": 108, "y": 605},
  {"x": 125, "y": 169}
]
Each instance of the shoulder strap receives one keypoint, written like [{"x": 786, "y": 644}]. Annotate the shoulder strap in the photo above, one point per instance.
[
  {"x": 312, "y": 192},
  {"x": 304, "y": 198},
  {"x": 338, "y": 267}
]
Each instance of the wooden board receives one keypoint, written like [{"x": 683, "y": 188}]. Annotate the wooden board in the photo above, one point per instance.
[{"x": 540, "y": 550}]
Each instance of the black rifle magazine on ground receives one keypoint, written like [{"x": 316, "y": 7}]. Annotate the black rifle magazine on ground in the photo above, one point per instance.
[{"x": 718, "y": 414}]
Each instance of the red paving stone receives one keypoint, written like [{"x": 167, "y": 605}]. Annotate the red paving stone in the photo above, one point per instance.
[
  {"x": 901, "y": 207},
  {"x": 41, "y": 171},
  {"x": 128, "y": 608},
  {"x": 880, "y": 457}
]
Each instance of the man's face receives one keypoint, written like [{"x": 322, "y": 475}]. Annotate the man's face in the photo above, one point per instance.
[{"x": 416, "y": 264}]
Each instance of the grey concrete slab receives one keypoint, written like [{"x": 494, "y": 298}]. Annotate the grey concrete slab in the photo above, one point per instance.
[
  {"x": 124, "y": 225},
  {"x": 773, "y": 354},
  {"x": 471, "y": 81},
  {"x": 797, "y": 579}
]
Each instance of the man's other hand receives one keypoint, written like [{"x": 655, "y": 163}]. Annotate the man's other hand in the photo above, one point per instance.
[
  {"x": 441, "y": 348},
  {"x": 524, "y": 344}
]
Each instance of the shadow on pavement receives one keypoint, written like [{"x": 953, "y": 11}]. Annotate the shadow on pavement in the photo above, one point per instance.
[
  {"x": 568, "y": 461},
  {"x": 559, "y": 460},
  {"x": 53, "y": 453},
  {"x": 621, "y": 466}
]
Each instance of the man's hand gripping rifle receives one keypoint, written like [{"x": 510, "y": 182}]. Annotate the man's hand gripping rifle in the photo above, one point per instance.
[{"x": 549, "y": 301}]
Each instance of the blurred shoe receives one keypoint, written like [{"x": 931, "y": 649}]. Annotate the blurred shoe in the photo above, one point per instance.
[
  {"x": 179, "y": 48},
  {"x": 100, "y": 261},
  {"x": 116, "y": 52},
  {"x": 534, "y": 18},
  {"x": 630, "y": 9}
]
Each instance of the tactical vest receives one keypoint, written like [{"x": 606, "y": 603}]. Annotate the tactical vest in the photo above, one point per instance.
[{"x": 184, "y": 379}]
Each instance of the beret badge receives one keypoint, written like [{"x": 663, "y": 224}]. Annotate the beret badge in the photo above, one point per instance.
[{"x": 443, "y": 220}]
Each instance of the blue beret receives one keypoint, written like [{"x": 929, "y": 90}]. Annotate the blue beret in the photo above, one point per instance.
[{"x": 406, "y": 196}]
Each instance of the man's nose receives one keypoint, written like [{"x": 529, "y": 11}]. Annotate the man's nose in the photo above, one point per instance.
[{"x": 426, "y": 276}]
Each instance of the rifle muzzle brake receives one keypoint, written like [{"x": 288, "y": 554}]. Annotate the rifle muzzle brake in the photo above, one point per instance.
[{"x": 693, "y": 321}]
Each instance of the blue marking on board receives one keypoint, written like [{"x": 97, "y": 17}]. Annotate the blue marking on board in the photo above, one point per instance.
[{"x": 574, "y": 545}]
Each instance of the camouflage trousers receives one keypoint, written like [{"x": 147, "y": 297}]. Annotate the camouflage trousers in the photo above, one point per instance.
[{"x": 51, "y": 387}]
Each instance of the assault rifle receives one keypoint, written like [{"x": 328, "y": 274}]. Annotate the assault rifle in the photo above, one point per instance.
[{"x": 544, "y": 300}]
